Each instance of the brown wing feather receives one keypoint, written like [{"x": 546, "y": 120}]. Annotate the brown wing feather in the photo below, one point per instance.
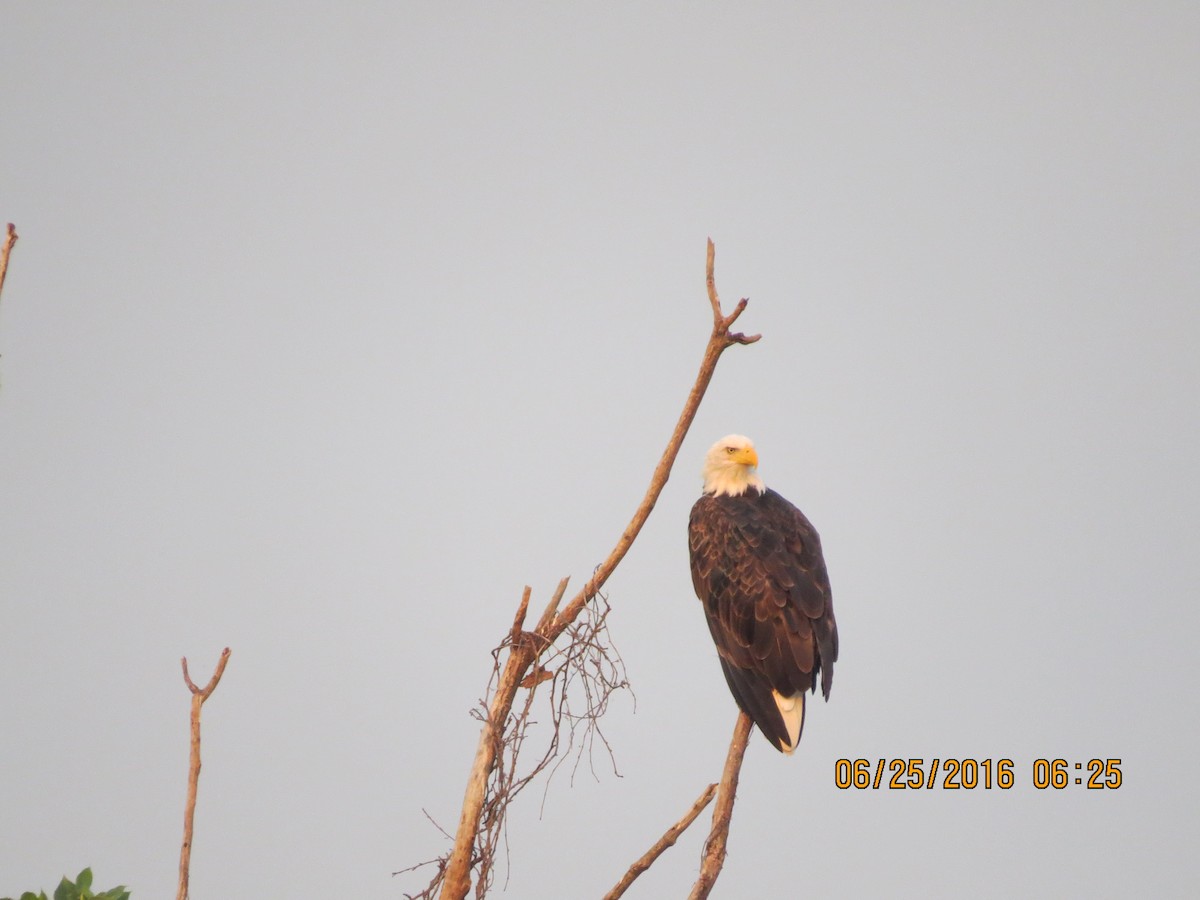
[{"x": 758, "y": 569}]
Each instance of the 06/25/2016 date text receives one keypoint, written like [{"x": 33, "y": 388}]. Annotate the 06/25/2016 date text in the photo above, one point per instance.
[{"x": 969, "y": 774}]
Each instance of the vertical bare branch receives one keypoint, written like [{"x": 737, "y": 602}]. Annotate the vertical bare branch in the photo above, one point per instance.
[
  {"x": 522, "y": 654},
  {"x": 456, "y": 881},
  {"x": 519, "y": 618},
  {"x": 667, "y": 840},
  {"x": 714, "y": 848},
  {"x": 9, "y": 241},
  {"x": 199, "y": 695}
]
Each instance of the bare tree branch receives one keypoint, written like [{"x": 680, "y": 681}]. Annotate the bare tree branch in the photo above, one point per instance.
[
  {"x": 9, "y": 241},
  {"x": 667, "y": 840},
  {"x": 526, "y": 647},
  {"x": 199, "y": 695},
  {"x": 714, "y": 847},
  {"x": 718, "y": 342}
]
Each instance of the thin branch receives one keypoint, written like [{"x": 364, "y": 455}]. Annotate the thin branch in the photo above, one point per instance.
[
  {"x": 552, "y": 607},
  {"x": 667, "y": 840},
  {"x": 457, "y": 880},
  {"x": 519, "y": 619},
  {"x": 714, "y": 847},
  {"x": 722, "y": 323},
  {"x": 9, "y": 241},
  {"x": 718, "y": 342},
  {"x": 212, "y": 682},
  {"x": 199, "y": 695}
]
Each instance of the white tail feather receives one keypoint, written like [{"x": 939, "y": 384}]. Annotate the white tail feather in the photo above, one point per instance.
[{"x": 792, "y": 710}]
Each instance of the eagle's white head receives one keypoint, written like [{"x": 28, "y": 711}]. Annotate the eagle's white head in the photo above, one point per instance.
[{"x": 731, "y": 467}]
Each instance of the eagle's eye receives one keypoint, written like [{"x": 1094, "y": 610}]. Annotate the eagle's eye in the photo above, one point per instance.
[{"x": 730, "y": 449}]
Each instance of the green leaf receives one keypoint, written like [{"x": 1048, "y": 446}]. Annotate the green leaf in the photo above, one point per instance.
[{"x": 80, "y": 890}]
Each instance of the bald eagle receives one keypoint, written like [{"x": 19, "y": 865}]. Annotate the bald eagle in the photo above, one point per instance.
[{"x": 758, "y": 570}]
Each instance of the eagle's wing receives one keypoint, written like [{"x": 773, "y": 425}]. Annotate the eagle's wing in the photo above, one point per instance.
[{"x": 758, "y": 569}]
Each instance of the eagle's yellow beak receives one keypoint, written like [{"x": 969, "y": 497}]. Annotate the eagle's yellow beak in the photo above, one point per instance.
[{"x": 745, "y": 456}]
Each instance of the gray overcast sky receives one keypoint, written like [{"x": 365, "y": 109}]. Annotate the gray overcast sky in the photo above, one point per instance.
[{"x": 330, "y": 327}]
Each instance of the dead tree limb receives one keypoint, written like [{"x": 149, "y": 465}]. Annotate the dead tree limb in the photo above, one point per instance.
[
  {"x": 9, "y": 240},
  {"x": 660, "y": 846},
  {"x": 720, "y": 339},
  {"x": 522, "y": 654},
  {"x": 199, "y": 695},
  {"x": 714, "y": 847}
]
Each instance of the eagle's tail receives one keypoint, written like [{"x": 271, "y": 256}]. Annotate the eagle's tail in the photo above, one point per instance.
[{"x": 792, "y": 710}]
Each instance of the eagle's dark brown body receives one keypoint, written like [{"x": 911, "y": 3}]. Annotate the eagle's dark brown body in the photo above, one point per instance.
[{"x": 758, "y": 569}]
